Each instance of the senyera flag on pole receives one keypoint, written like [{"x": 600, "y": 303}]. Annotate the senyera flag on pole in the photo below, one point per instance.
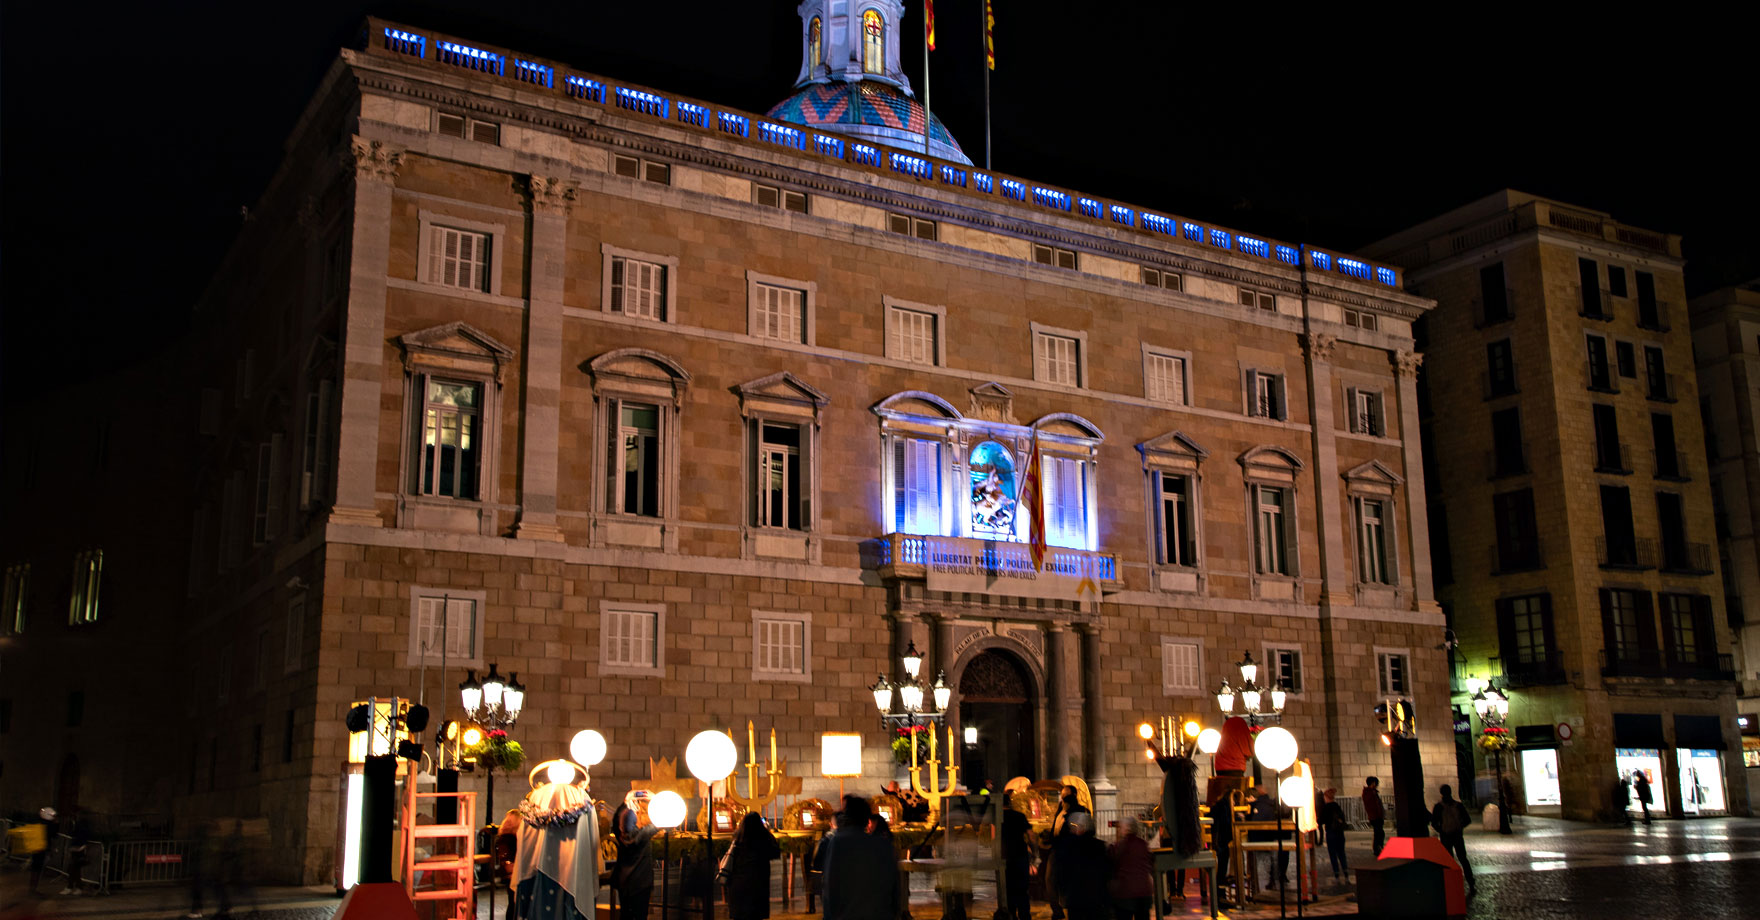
[
  {"x": 929, "y": 22},
  {"x": 989, "y": 40},
  {"x": 1033, "y": 498}
]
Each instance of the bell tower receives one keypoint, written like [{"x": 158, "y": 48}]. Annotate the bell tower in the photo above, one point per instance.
[{"x": 851, "y": 41}]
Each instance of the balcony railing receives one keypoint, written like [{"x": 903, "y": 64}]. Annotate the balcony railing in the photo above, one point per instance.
[
  {"x": 1599, "y": 306},
  {"x": 1613, "y": 458},
  {"x": 1652, "y": 663},
  {"x": 1499, "y": 464},
  {"x": 1636, "y": 553},
  {"x": 1543, "y": 671},
  {"x": 1004, "y": 568},
  {"x": 1524, "y": 557},
  {"x": 1686, "y": 558},
  {"x": 1653, "y": 316},
  {"x": 1661, "y": 387}
]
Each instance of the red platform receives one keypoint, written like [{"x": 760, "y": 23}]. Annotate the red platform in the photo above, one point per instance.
[
  {"x": 377, "y": 901},
  {"x": 1429, "y": 849}
]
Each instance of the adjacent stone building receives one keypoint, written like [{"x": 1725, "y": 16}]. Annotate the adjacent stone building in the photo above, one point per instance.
[
  {"x": 1570, "y": 505},
  {"x": 691, "y": 416}
]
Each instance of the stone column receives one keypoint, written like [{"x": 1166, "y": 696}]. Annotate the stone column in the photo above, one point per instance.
[
  {"x": 1417, "y": 521},
  {"x": 1094, "y": 722},
  {"x": 1329, "y": 524},
  {"x": 1057, "y": 694},
  {"x": 941, "y": 649},
  {"x": 542, "y": 377},
  {"x": 375, "y": 166}
]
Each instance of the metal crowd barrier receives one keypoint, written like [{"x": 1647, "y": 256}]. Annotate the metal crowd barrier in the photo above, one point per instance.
[{"x": 148, "y": 862}]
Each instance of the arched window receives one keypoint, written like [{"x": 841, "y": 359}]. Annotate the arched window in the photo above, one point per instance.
[
  {"x": 993, "y": 491},
  {"x": 873, "y": 42},
  {"x": 814, "y": 53}
]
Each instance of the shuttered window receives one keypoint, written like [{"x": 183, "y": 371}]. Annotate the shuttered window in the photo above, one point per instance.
[
  {"x": 913, "y": 335},
  {"x": 314, "y": 470},
  {"x": 458, "y": 258},
  {"x": 1058, "y": 358},
  {"x": 630, "y": 637},
  {"x": 1066, "y": 501},
  {"x": 1165, "y": 378},
  {"x": 638, "y": 288},
  {"x": 778, "y": 313},
  {"x": 1180, "y": 671},
  {"x": 452, "y": 635},
  {"x": 917, "y": 486},
  {"x": 779, "y": 646}
]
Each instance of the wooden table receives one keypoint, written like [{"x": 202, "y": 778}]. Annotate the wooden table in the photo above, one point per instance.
[
  {"x": 1299, "y": 844},
  {"x": 1167, "y": 859}
]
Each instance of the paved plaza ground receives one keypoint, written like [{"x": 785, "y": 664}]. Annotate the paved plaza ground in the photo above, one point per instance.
[{"x": 1547, "y": 869}]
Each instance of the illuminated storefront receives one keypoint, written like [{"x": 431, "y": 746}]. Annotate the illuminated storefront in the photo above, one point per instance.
[
  {"x": 1648, "y": 761},
  {"x": 1701, "y": 776},
  {"x": 1540, "y": 777}
]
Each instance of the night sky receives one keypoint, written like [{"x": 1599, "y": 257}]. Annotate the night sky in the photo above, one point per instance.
[{"x": 132, "y": 137}]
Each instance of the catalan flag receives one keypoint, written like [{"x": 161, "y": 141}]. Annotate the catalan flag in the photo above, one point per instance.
[
  {"x": 929, "y": 22},
  {"x": 989, "y": 39},
  {"x": 1033, "y": 499}
]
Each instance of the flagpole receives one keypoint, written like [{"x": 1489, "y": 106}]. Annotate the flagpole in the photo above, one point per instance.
[
  {"x": 987, "y": 115},
  {"x": 927, "y": 117}
]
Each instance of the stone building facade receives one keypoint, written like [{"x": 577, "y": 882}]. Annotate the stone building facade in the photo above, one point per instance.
[
  {"x": 691, "y": 416},
  {"x": 1570, "y": 504}
]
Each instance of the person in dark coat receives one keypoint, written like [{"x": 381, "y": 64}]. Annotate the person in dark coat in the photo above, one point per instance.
[
  {"x": 1331, "y": 819},
  {"x": 633, "y": 873},
  {"x": 1080, "y": 868},
  {"x": 1641, "y": 785},
  {"x": 1179, "y": 812},
  {"x": 861, "y": 870},
  {"x": 1222, "y": 834},
  {"x": 746, "y": 878},
  {"x": 1069, "y": 804},
  {"x": 1265, "y": 808},
  {"x": 1450, "y": 818},
  {"x": 1375, "y": 813},
  {"x": 1622, "y": 797},
  {"x": 1133, "y": 891},
  {"x": 1017, "y": 858}
]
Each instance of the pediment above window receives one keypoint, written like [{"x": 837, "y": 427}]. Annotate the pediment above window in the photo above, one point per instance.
[
  {"x": 1067, "y": 425},
  {"x": 455, "y": 346},
  {"x": 916, "y": 404},
  {"x": 640, "y": 370},
  {"x": 992, "y": 402},
  {"x": 1173, "y": 449},
  {"x": 781, "y": 393},
  {"x": 1270, "y": 463},
  {"x": 1373, "y": 477}
]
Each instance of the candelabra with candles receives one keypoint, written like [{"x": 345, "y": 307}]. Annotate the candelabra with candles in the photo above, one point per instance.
[
  {"x": 915, "y": 699},
  {"x": 1252, "y": 696},
  {"x": 754, "y": 799}
]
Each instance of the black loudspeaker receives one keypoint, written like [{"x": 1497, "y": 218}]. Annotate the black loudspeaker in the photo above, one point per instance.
[
  {"x": 416, "y": 719},
  {"x": 1411, "y": 817},
  {"x": 446, "y": 807},
  {"x": 359, "y": 719},
  {"x": 378, "y": 817}
]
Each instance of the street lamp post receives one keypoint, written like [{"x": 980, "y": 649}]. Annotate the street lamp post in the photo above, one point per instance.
[
  {"x": 1276, "y": 748},
  {"x": 1253, "y": 697},
  {"x": 492, "y": 703},
  {"x": 920, "y": 702},
  {"x": 1492, "y": 706}
]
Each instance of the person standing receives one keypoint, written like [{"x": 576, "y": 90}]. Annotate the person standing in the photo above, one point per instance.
[
  {"x": 50, "y": 829},
  {"x": 1450, "y": 819},
  {"x": 81, "y": 835},
  {"x": 1222, "y": 837},
  {"x": 1017, "y": 857},
  {"x": 1069, "y": 804},
  {"x": 1622, "y": 798},
  {"x": 1081, "y": 869},
  {"x": 1332, "y": 822},
  {"x": 1133, "y": 889},
  {"x": 1375, "y": 813},
  {"x": 861, "y": 871},
  {"x": 1265, "y": 808},
  {"x": 633, "y": 873},
  {"x": 746, "y": 878},
  {"x": 1641, "y": 785}
]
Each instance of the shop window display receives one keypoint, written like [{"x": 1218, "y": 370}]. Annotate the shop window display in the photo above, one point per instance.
[
  {"x": 1701, "y": 776},
  {"x": 1540, "y": 777}
]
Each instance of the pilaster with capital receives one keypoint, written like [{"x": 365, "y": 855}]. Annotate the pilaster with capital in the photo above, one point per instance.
[
  {"x": 375, "y": 165},
  {"x": 1094, "y": 726},
  {"x": 1329, "y": 525},
  {"x": 1057, "y": 739},
  {"x": 540, "y": 417},
  {"x": 1406, "y": 365}
]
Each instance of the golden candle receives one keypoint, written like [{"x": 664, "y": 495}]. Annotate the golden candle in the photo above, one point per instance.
[
  {"x": 751, "y": 743},
  {"x": 950, "y": 747},
  {"x": 932, "y": 747},
  {"x": 913, "y": 750},
  {"x": 772, "y": 748}
]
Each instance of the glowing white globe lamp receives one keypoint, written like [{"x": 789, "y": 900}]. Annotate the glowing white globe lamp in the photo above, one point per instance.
[
  {"x": 1297, "y": 791},
  {"x": 666, "y": 809},
  {"x": 587, "y": 748},
  {"x": 711, "y": 756},
  {"x": 560, "y": 772},
  {"x": 1275, "y": 748},
  {"x": 1209, "y": 740}
]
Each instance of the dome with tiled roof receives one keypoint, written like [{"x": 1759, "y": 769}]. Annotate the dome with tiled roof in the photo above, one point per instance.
[
  {"x": 851, "y": 81},
  {"x": 869, "y": 110}
]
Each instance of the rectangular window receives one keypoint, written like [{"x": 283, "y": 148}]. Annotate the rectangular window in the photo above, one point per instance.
[
  {"x": 1265, "y": 395},
  {"x": 1589, "y": 281},
  {"x": 287, "y": 739},
  {"x": 1668, "y": 460},
  {"x": 779, "y": 313},
  {"x": 16, "y": 598},
  {"x": 1052, "y": 255},
  {"x": 458, "y": 258},
  {"x": 917, "y": 486},
  {"x": 779, "y": 476},
  {"x": 293, "y": 648},
  {"x": 1162, "y": 278},
  {"x": 446, "y": 629},
  {"x": 1627, "y": 624},
  {"x": 638, "y": 288},
  {"x": 1609, "y": 452},
  {"x": 1366, "y": 415},
  {"x": 1176, "y": 535},
  {"x": 633, "y": 483},
  {"x": 781, "y": 646},
  {"x": 266, "y": 514},
  {"x": 1616, "y": 525},
  {"x": 1500, "y": 368},
  {"x": 1649, "y": 311},
  {"x": 1393, "y": 674},
  {"x": 1059, "y": 359},
  {"x": 451, "y": 125},
  {"x": 449, "y": 458},
  {"x": 1271, "y": 534},
  {"x": 1066, "y": 501},
  {"x": 1164, "y": 377},
  {"x": 772, "y": 197},
  {"x": 314, "y": 469},
  {"x": 1284, "y": 667},
  {"x": 1671, "y": 524},
  {"x": 646, "y": 170},
  {"x": 1361, "y": 319},
  {"x": 1518, "y": 542},
  {"x": 88, "y": 576},
  {"x": 1181, "y": 672},
  {"x": 1616, "y": 281},
  {"x": 631, "y": 638},
  {"x": 1494, "y": 295},
  {"x": 1258, "y": 300},
  {"x": 1657, "y": 382},
  {"x": 1526, "y": 631},
  {"x": 1509, "y": 454},
  {"x": 1600, "y": 377},
  {"x": 912, "y": 226},
  {"x": 912, "y": 335},
  {"x": 1625, "y": 357},
  {"x": 1372, "y": 561}
]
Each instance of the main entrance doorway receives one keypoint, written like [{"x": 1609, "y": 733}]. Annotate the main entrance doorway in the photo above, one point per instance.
[{"x": 996, "y": 700}]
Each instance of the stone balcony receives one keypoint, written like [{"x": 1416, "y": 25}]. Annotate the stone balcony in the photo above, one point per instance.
[{"x": 965, "y": 565}]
